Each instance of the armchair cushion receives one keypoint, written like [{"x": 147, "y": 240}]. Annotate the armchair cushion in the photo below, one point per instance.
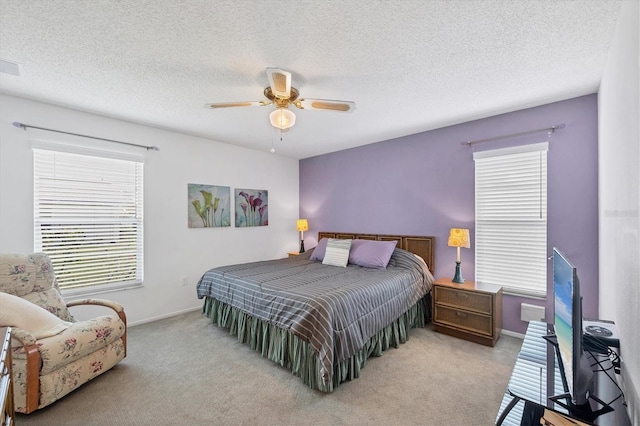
[
  {"x": 32, "y": 277},
  {"x": 77, "y": 341},
  {"x": 20, "y": 313},
  {"x": 52, "y": 301},
  {"x": 18, "y": 274}
]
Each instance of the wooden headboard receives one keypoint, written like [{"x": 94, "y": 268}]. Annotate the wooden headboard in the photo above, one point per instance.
[{"x": 423, "y": 246}]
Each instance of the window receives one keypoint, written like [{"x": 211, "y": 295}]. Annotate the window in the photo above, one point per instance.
[
  {"x": 88, "y": 219},
  {"x": 511, "y": 218}
]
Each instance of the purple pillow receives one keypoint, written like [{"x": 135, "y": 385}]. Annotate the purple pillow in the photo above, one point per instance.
[
  {"x": 318, "y": 252},
  {"x": 371, "y": 254}
]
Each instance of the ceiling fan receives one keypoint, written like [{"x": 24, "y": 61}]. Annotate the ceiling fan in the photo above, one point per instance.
[{"x": 281, "y": 94}]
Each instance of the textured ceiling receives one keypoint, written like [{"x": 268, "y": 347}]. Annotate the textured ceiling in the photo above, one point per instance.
[{"x": 409, "y": 65}]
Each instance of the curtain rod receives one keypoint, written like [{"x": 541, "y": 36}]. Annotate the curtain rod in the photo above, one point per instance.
[
  {"x": 25, "y": 126},
  {"x": 551, "y": 130}
]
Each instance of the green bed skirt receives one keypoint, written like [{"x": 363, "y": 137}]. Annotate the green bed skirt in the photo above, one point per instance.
[{"x": 293, "y": 353}]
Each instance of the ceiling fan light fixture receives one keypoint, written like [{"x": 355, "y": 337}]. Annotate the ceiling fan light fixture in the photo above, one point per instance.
[{"x": 282, "y": 118}]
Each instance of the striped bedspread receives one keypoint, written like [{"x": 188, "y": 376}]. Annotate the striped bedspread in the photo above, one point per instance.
[{"x": 335, "y": 309}]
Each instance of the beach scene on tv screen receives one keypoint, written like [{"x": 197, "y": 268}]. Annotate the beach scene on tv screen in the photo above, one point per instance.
[{"x": 563, "y": 317}]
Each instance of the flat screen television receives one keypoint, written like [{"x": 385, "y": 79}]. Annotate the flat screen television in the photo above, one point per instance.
[{"x": 574, "y": 365}]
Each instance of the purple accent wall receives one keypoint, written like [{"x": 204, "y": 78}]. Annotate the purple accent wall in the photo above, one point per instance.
[{"x": 423, "y": 184}]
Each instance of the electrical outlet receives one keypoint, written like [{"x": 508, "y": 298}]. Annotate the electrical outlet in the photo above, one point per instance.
[{"x": 185, "y": 282}]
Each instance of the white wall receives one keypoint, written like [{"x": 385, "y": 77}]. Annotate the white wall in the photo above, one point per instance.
[
  {"x": 172, "y": 250},
  {"x": 619, "y": 196}
]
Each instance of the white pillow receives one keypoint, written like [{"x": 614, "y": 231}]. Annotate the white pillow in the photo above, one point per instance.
[
  {"x": 20, "y": 313},
  {"x": 337, "y": 252}
]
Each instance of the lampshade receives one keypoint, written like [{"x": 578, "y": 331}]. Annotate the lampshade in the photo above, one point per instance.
[
  {"x": 302, "y": 225},
  {"x": 282, "y": 118},
  {"x": 459, "y": 238}
]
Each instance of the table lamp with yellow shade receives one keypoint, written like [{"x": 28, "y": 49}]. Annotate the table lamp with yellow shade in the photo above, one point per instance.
[
  {"x": 301, "y": 226},
  {"x": 458, "y": 237}
]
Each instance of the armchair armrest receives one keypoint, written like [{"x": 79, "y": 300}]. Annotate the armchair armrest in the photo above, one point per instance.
[
  {"x": 118, "y": 308},
  {"x": 101, "y": 302},
  {"x": 23, "y": 336},
  {"x": 29, "y": 345}
]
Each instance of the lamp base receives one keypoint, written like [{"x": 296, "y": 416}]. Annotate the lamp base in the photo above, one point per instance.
[
  {"x": 457, "y": 278},
  {"x": 301, "y": 246}
]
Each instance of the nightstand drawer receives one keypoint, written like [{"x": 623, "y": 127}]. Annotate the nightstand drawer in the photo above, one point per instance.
[
  {"x": 476, "y": 323},
  {"x": 474, "y": 301}
]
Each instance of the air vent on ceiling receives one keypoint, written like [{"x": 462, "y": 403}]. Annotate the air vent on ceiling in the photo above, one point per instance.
[{"x": 8, "y": 67}]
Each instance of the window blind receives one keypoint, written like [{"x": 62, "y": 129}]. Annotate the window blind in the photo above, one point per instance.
[
  {"x": 88, "y": 217},
  {"x": 511, "y": 218},
  {"x": 529, "y": 376}
]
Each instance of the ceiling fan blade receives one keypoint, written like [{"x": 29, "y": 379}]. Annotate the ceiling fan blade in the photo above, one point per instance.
[
  {"x": 280, "y": 82},
  {"x": 342, "y": 106},
  {"x": 237, "y": 104}
]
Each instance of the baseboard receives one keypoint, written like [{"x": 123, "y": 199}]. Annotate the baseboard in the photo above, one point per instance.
[
  {"x": 513, "y": 334},
  {"x": 160, "y": 317}
]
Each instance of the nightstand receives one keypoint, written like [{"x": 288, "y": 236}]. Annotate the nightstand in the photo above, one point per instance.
[
  {"x": 293, "y": 253},
  {"x": 469, "y": 311}
]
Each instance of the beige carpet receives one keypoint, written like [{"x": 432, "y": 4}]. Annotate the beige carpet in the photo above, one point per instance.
[{"x": 186, "y": 371}]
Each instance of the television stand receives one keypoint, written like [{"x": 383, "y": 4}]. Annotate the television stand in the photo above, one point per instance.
[
  {"x": 585, "y": 411},
  {"x": 536, "y": 391}
]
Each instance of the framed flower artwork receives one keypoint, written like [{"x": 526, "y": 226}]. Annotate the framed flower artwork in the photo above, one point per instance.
[
  {"x": 209, "y": 206},
  {"x": 251, "y": 207}
]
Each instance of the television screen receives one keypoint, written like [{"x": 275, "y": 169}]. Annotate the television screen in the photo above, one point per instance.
[
  {"x": 576, "y": 368},
  {"x": 563, "y": 313}
]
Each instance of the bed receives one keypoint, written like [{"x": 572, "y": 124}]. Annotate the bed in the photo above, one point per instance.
[{"x": 321, "y": 321}]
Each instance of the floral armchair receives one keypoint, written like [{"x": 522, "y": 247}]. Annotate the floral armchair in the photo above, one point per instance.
[{"x": 48, "y": 365}]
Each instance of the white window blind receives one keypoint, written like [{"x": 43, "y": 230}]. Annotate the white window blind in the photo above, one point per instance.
[
  {"x": 88, "y": 217},
  {"x": 529, "y": 376},
  {"x": 511, "y": 218}
]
